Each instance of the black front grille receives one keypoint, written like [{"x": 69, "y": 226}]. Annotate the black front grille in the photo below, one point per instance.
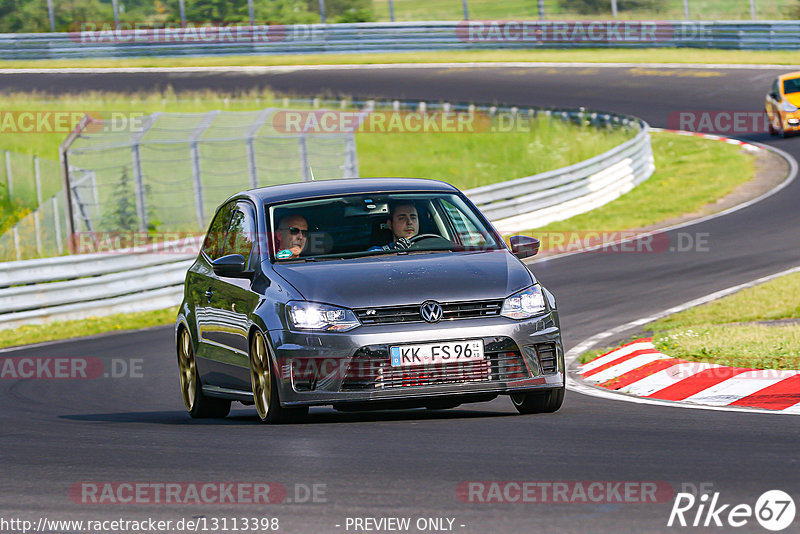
[
  {"x": 547, "y": 357},
  {"x": 410, "y": 313},
  {"x": 371, "y": 368}
]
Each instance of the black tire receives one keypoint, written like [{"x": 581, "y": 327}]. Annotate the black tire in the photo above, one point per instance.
[
  {"x": 545, "y": 402},
  {"x": 265, "y": 386},
  {"x": 197, "y": 404}
]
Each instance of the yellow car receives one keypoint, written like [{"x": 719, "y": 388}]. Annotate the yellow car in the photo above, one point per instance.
[{"x": 783, "y": 101}]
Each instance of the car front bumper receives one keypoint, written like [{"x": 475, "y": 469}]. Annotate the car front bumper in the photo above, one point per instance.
[{"x": 329, "y": 368}]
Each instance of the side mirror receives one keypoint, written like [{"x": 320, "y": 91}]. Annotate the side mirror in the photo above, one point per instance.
[
  {"x": 523, "y": 246},
  {"x": 231, "y": 266},
  {"x": 774, "y": 96}
]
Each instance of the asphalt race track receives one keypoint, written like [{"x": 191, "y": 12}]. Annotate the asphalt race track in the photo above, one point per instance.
[{"x": 56, "y": 433}]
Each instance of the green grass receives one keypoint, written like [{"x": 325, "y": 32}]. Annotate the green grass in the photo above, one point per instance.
[
  {"x": 690, "y": 173},
  {"x": 726, "y": 331},
  {"x": 472, "y": 160},
  {"x": 643, "y": 55},
  {"x": 528, "y": 9},
  {"x": 56, "y": 330}
]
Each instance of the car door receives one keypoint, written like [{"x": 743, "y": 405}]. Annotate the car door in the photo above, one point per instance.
[
  {"x": 200, "y": 282},
  {"x": 233, "y": 301}
]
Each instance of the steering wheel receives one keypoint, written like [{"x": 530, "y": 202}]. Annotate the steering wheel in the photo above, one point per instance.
[{"x": 420, "y": 237}]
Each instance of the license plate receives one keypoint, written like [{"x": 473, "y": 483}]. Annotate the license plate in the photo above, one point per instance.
[{"x": 437, "y": 353}]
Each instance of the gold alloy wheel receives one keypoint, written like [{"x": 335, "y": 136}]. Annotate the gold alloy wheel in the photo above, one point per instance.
[
  {"x": 187, "y": 369},
  {"x": 260, "y": 375}
]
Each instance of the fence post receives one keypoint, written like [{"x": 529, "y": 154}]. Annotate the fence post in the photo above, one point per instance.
[
  {"x": 9, "y": 179},
  {"x": 322, "y": 11},
  {"x": 301, "y": 143},
  {"x": 391, "y": 10},
  {"x": 138, "y": 187},
  {"x": 198, "y": 184},
  {"x": 686, "y": 9},
  {"x": 16, "y": 242},
  {"x": 541, "y": 10},
  {"x": 251, "y": 12},
  {"x": 57, "y": 225},
  {"x": 182, "y": 9},
  {"x": 251, "y": 153},
  {"x": 350, "y": 156},
  {"x": 753, "y": 9},
  {"x": 51, "y": 15},
  {"x": 466, "y": 11},
  {"x": 115, "y": 8},
  {"x": 37, "y": 178},
  {"x": 614, "y": 8}
]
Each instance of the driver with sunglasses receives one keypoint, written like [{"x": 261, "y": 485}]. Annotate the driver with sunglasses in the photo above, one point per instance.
[{"x": 291, "y": 236}]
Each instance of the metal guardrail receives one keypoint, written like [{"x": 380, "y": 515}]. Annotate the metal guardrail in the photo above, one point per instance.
[
  {"x": 398, "y": 36},
  {"x": 78, "y": 286}
]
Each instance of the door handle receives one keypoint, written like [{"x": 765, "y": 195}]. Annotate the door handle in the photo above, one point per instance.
[{"x": 209, "y": 294}]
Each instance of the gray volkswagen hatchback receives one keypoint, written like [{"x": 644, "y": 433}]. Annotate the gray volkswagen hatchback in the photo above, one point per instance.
[{"x": 363, "y": 294}]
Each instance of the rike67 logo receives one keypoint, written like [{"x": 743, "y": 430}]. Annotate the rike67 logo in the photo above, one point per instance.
[{"x": 774, "y": 510}]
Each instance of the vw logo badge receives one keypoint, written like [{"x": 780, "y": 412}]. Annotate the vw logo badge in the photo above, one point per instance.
[{"x": 431, "y": 311}]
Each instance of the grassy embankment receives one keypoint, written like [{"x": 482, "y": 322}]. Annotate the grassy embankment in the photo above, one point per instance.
[{"x": 747, "y": 329}]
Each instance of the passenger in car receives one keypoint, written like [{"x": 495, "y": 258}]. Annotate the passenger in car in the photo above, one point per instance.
[
  {"x": 403, "y": 221},
  {"x": 291, "y": 236}
]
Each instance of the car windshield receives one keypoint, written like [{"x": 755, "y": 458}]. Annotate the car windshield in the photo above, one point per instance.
[
  {"x": 354, "y": 226},
  {"x": 791, "y": 86}
]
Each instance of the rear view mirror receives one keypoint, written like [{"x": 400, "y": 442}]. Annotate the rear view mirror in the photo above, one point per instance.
[
  {"x": 523, "y": 246},
  {"x": 231, "y": 266}
]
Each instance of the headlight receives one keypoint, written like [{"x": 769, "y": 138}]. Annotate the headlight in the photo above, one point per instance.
[
  {"x": 524, "y": 304},
  {"x": 314, "y": 316},
  {"x": 788, "y": 106}
]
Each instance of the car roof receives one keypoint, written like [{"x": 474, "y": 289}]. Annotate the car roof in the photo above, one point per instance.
[
  {"x": 324, "y": 188},
  {"x": 789, "y": 75}
]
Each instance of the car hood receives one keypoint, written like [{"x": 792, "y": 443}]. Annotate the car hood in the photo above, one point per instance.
[
  {"x": 392, "y": 280},
  {"x": 793, "y": 98}
]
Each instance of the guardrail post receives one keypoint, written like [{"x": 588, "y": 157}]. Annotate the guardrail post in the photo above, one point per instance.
[
  {"x": 251, "y": 13},
  {"x": 391, "y": 10},
  {"x": 9, "y": 180},
  {"x": 614, "y": 8},
  {"x": 37, "y": 178},
  {"x": 686, "y": 9},
  {"x": 753, "y": 9},
  {"x": 466, "y": 11},
  {"x": 541, "y": 10}
]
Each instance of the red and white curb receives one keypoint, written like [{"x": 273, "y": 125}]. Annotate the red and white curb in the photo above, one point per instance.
[
  {"x": 745, "y": 145},
  {"x": 639, "y": 369}
]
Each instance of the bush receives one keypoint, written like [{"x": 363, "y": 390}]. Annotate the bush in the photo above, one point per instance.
[
  {"x": 344, "y": 10},
  {"x": 604, "y": 6}
]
